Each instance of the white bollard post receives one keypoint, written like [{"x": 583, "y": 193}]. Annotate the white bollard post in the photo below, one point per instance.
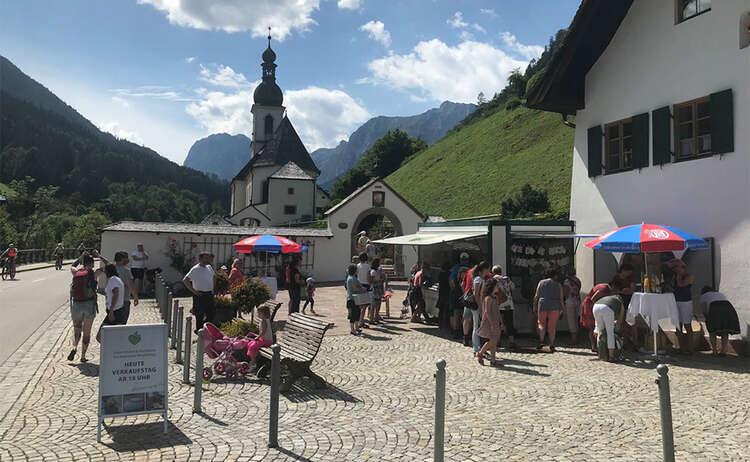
[
  {"x": 188, "y": 348},
  {"x": 273, "y": 415},
  {"x": 439, "y": 433},
  {"x": 198, "y": 390},
  {"x": 178, "y": 356}
]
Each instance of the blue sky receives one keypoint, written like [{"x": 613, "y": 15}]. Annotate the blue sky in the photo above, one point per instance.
[{"x": 165, "y": 73}]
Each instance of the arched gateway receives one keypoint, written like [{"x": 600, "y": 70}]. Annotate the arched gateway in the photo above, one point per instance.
[{"x": 381, "y": 212}]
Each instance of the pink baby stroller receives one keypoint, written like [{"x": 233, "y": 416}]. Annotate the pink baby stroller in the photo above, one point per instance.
[{"x": 224, "y": 351}]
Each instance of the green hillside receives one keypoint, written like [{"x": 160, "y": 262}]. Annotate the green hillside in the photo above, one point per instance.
[{"x": 472, "y": 170}]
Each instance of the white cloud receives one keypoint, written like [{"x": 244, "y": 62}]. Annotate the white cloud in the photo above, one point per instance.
[
  {"x": 457, "y": 22},
  {"x": 322, "y": 117},
  {"x": 442, "y": 72},
  {"x": 376, "y": 31},
  {"x": 223, "y": 112},
  {"x": 121, "y": 101},
  {"x": 350, "y": 4},
  {"x": 190, "y": 59},
  {"x": 119, "y": 132},
  {"x": 223, "y": 76},
  {"x": 488, "y": 12},
  {"x": 526, "y": 51},
  {"x": 284, "y": 16},
  {"x": 152, "y": 91},
  {"x": 465, "y": 35}
]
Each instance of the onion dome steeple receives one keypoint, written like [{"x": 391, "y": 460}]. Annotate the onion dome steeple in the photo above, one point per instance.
[{"x": 268, "y": 92}]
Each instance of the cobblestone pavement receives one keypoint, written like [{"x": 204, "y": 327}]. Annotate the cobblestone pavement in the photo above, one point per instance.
[{"x": 379, "y": 406}]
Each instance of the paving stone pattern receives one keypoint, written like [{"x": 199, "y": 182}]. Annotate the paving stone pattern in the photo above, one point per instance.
[{"x": 379, "y": 406}]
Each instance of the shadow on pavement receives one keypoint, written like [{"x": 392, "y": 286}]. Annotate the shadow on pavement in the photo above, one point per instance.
[
  {"x": 304, "y": 390},
  {"x": 292, "y": 455},
  {"x": 128, "y": 438},
  {"x": 88, "y": 369}
]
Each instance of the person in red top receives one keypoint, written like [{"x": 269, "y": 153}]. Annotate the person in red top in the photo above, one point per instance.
[{"x": 587, "y": 308}]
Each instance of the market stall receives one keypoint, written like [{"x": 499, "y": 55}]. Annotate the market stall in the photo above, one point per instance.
[{"x": 524, "y": 249}]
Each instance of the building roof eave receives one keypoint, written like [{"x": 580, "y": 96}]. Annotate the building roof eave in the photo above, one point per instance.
[{"x": 562, "y": 87}]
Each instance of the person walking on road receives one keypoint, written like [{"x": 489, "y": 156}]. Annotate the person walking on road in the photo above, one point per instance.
[
  {"x": 138, "y": 266},
  {"x": 83, "y": 302},
  {"x": 200, "y": 281},
  {"x": 59, "y": 253}
]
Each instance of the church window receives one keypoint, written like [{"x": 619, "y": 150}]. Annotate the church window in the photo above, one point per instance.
[
  {"x": 290, "y": 210},
  {"x": 290, "y": 191},
  {"x": 268, "y": 128}
]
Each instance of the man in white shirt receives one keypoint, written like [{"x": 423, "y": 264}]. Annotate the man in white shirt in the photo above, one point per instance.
[
  {"x": 115, "y": 296},
  {"x": 200, "y": 281},
  {"x": 139, "y": 258},
  {"x": 363, "y": 276}
]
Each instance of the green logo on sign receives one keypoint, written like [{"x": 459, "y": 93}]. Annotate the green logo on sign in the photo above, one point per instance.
[{"x": 134, "y": 338}]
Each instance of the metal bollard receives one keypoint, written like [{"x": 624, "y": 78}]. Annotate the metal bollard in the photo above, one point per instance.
[
  {"x": 273, "y": 415},
  {"x": 665, "y": 407},
  {"x": 168, "y": 308},
  {"x": 439, "y": 433},
  {"x": 178, "y": 356},
  {"x": 188, "y": 348},
  {"x": 175, "y": 308},
  {"x": 198, "y": 388}
]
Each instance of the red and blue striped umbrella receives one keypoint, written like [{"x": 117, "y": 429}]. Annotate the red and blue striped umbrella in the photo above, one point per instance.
[
  {"x": 268, "y": 243},
  {"x": 646, "y": 238}
]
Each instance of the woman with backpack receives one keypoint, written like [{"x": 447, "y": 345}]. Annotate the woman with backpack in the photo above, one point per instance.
[{"x": 83, "y": 302}]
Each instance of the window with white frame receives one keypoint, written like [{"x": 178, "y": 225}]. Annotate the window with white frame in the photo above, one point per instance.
[{"x": 687, "y": 9}]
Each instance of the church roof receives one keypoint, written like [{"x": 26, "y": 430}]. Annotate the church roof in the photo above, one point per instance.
[
  {"x": 291, "y": 171},
  {"x": 284, "y": 147}
]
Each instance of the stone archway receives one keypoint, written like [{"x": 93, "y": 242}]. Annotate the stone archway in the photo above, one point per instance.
[{"x": 398, "y": 260}]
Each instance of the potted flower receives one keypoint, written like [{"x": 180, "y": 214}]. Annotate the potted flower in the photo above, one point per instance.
[
  {"x": 224, "y": 309},
  {"x": 249, "y": 294}
]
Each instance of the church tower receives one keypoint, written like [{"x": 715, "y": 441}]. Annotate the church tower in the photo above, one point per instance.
[{"x": 267, "y": 110}]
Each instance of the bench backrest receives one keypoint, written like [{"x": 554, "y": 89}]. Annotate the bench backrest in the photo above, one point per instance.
[
  {"x": 273, "y": 307},
  {"x": 303, "y": 335}
]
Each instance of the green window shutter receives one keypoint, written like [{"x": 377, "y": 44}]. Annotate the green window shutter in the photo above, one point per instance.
[
  {"x": 595, "y": 151},
  {"x": 661, "y": 141},
  {"x": 640, "y": 140},
  {"x": 722, "y": 122}
]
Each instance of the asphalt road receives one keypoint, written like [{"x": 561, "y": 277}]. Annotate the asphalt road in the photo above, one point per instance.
[{"x": 26, "y": 302}]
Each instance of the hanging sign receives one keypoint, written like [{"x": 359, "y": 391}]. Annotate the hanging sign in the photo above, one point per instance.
[{"x": 133, "y": 372}]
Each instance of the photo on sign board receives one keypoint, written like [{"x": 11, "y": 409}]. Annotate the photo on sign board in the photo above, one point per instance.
[
  {"x": 134, "y": 403},
  {"x": 154, "y": 401},
  {"x": 112, "y": 404}
]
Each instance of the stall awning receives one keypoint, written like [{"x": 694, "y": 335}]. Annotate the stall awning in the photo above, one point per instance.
[
  {"x": 552, "y": 235},
  {"x": 431, "y": 238}
]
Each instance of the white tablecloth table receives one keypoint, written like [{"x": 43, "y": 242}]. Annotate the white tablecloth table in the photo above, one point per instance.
[
  {"x": 272, "y": 283},
  {"x": 653, "y": 308}
]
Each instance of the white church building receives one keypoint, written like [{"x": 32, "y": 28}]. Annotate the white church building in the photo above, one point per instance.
[{"x": 278, "y": 185}]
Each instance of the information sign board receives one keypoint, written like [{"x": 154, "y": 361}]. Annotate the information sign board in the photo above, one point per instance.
[{"x": 133, "y": 372}]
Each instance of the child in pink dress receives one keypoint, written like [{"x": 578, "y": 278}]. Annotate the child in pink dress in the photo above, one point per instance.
[
  {"x": 491, "y": 326},
  {"x": 265, "y": 336}
]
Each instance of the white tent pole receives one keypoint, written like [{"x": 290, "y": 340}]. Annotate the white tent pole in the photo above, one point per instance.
[{"x": 648, "y": 290}]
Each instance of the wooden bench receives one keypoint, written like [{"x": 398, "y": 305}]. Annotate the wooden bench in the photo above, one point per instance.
[
  {"x": 300, "y": 343},
  {"x": 273, "y": 307}
]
